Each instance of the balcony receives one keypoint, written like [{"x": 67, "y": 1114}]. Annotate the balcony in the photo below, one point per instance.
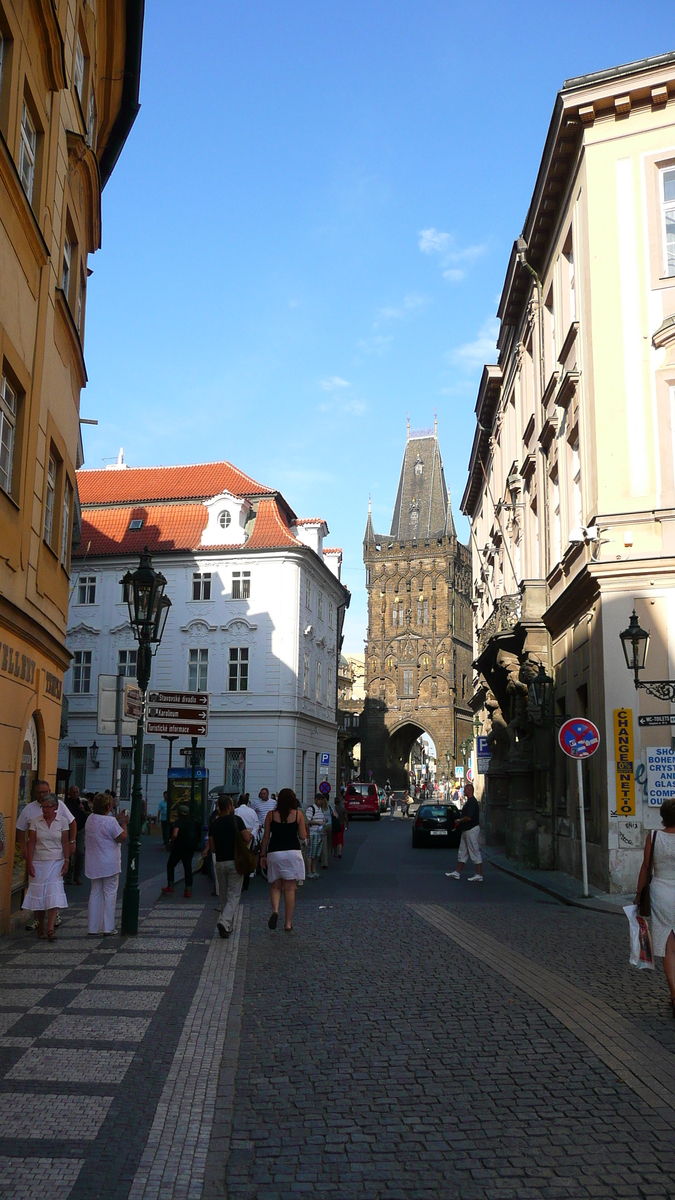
[{"x": 503, "y": 619}]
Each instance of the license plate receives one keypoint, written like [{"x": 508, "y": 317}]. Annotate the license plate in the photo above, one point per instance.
[{"x": 438, "y": 832}]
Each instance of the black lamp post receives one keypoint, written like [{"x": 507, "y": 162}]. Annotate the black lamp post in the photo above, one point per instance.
[
  {"x": 148, "y": 611},
  {"x": 635, "y": 642},
  {"x": 542, "y": 687}
]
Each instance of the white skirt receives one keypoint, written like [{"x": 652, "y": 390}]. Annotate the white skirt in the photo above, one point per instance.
[
  {"x": 285, "y": 864},
  {"x": 46, "y": 889},
  {"x": 662, "y": 896}
]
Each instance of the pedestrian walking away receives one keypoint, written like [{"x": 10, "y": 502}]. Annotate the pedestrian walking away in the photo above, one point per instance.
[
  {"x": 469, "y": 846},
  {"x": 29, "y": 813},
  {"x": 222, "y": 840},
  {"x": 182, "y": 848},
  {"x": 314, "y": 816},
  {"x": 285, "y": 829},
  {"x": 250, "y": 818},
  {"x": 47, "y": 855},
  {"x": 103, "y": 836},
  {"x": 659, "y": 861},
  {"x": 339, "y": 824},
  {"x": 326, "y": 808},
  {"x": 163, "y": 817}
]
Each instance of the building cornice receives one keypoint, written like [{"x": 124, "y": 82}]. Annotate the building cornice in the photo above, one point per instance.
[{"x": 24, "y": 627}]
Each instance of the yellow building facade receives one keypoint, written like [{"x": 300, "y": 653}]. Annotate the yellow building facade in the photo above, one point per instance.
[
  {"x": 69, "y": 79},
  {"x": 571, "y": 488}
]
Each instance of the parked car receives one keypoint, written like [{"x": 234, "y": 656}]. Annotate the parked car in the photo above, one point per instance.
[
  {"x": 362, "y": 800},
  {"x": 433, "y": 826}
]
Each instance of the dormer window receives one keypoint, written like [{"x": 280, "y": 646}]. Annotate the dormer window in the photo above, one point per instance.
[
  {"x": 137, "y": 523},
  {"x": 224, "y": 519}
]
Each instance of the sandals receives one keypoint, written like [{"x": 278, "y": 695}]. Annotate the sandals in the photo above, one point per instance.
[
  {"x": 41, "y": 935},
  {"x": 272, "y": 923},
  {"x": 288, "y": 928},
  {"x": 51, "y": 936}
]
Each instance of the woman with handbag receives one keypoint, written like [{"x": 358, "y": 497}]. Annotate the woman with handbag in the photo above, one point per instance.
[
  {"x": 282, "y": 856},
  {"x": 227, "y": 830},
  {"x": 656, "y": 892}
]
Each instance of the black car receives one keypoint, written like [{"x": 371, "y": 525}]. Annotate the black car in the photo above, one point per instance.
[{"x": 434, "y": 826}]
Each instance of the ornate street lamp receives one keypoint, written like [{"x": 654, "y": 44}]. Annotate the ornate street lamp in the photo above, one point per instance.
[
  {"x": 148, "y": 611},
  {"x": 635, "y": 642},
  {"x": 542, "y": 687}
]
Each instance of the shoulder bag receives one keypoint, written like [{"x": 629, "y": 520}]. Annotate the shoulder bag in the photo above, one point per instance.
[
  {"x": 245, "y": 862},
  {"x": 644, "y": 901}
]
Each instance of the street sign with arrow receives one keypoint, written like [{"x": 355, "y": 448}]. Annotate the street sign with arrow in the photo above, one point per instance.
[{"x": 183, "y": 714}]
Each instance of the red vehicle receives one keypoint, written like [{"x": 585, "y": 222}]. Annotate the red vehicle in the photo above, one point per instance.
[{"x": 362, "y": 800}]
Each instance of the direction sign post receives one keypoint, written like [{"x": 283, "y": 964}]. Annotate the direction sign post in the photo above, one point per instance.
[
  {"x": 183, "y": 714},
  {"x": 579, "y": 738}
]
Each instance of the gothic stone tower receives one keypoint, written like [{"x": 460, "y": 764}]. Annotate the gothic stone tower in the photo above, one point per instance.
[{"x": 419, "y": 645}]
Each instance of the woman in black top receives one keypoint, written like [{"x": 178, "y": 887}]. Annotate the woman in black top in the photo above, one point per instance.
[{"x": 284, "y": 830}]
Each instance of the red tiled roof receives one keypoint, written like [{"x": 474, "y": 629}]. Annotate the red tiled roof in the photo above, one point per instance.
[
  {"x": 310, "y": 521},
  {"x": 333, "y": 550},
  {"x": 166, "y": 527},
  {"x": 270, "y": 529},
  {"x": 138, "y": 484}
]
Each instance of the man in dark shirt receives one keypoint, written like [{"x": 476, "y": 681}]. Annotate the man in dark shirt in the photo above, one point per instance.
[
  {"x": 469, "y": 846},
  {"x": 182, "y": 848},
  {"x": 222, "y": 838}
]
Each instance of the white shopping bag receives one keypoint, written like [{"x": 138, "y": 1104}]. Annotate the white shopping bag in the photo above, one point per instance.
[{"x": 641, "y": 953}]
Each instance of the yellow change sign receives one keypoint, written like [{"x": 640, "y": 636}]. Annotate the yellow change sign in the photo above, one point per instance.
[{"x": 625, "y": 765}]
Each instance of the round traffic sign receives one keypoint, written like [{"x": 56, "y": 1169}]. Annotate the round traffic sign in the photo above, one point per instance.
[
  {"x": 324, "y": 787},
  {"x": 469, "y": 775},
  {"x": 579, "y": 737}
]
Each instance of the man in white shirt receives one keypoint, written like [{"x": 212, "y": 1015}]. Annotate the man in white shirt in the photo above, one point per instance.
[
  {"x": 263, "y": 805},
  {"x": 250, "y": 818},
  {"x": 30, "y": 813}
]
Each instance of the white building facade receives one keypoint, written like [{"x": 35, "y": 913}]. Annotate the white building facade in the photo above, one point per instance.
[{"x": 256, "y": 621}]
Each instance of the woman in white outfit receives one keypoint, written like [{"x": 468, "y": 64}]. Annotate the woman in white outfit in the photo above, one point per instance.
[
  {"x": 103, "y": 863},
  {"x": 281, "y": 855},
  {"x": 48, "y": 857},
  {"x": 662, "y": 892}
]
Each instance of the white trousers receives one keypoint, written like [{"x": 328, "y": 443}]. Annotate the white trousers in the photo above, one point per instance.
[
  {"x": 229, "y": 891},
  {"x": 102, "y": 904},
  {"x": 470, "y": 845}
]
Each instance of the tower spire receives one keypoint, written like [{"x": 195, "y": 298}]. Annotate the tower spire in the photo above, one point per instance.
[
  {"x": 408, "y": 422},
  {"x": 369, "y": 535}
]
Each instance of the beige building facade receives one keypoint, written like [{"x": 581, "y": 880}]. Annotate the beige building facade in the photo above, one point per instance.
[
  {"x": 69, "y": 78},
  {"x": 571, "y": 488}
]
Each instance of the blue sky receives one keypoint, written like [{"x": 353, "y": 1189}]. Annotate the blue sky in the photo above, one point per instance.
[{"x": 308, "y": 229}]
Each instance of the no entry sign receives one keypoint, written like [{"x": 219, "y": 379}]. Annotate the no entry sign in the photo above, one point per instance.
[
  {"x": 579, "y": 738},
  {"x": 324, "y": 787}
]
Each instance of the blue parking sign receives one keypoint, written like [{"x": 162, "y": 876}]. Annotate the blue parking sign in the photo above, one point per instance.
[{"x": 325, "y": 760}]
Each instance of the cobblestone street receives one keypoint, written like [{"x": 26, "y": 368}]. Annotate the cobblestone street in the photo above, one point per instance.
[{"x": 414, "y": 1037}]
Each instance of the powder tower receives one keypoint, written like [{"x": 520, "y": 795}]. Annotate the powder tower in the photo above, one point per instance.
[{"x": 418, "y": 656}]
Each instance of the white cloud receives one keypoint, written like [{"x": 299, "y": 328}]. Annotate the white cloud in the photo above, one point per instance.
[
  {"x": 431, "y": 241},
  {"x": 481, "y": 350},
  {"x": 377, "y": 344},
  {"x": 333, "y": 384},
  {"x": 411, "y": 302},
  {"x": 353, "y": 407}
]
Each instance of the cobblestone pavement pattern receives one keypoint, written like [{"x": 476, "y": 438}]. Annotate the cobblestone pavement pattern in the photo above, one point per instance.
[{"x": 414, "y": 1038}]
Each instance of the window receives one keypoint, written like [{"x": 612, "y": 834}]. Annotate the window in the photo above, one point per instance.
[
  {"x": 238, "y": 681},
  {"x": 198, "y": 671},
  {"x": 329, "y": 686},
  {"x": 241, "y": 585},
  {"x": 8, "y": 407},
  {"x": 224, "y": 519},
  {"x": 82, "y": 672},
  {"x": 331, "y": 614},
  {"x": 407, "y": 681},
  {"x": 137, "y": 523},
  {"x": 319, "y": 682},
  {"x": 126, "y": 663},
  {"x": 86, "y": 589},
  {"x": 576, "y": 485},
  {"x": 65, "y": 523},
  {"x": 65, "y": 266},
  {"x": 319, "y": 606},
  {"x": 305, "y": 675},
  {"x": 77, "y": 763},
  {"x": 557, "y": 542},
  {"x": 397, "y": 612},
  {"x": 91, "y": 119},
  {"x": 27, "y": 151},
  {"x": 78, "y": 73},
  {"x": 48, "y": 530},
  {"x": 201, "y": 585},
  {"x": 308, "y": 593},
  {"x": 422, "y": 612},
  {"x": 668, "y": 219}
]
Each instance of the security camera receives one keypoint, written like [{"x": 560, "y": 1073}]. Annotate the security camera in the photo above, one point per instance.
[{"x": 577, "y": 536}]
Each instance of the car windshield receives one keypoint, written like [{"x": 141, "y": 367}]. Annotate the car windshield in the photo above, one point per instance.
[
  {"x": 433, "y": 810},
  {"x": 361, "y": 789}
]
